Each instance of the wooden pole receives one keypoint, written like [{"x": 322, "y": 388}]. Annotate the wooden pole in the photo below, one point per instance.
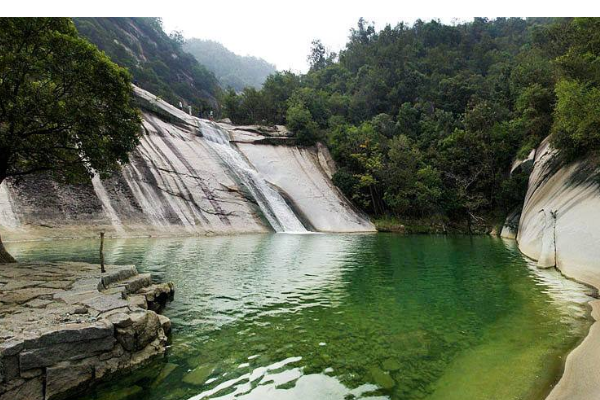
[{"x": 102, "y": 269}]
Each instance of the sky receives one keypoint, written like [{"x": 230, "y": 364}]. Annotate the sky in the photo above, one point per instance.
[{"x": 281, "y": 33}]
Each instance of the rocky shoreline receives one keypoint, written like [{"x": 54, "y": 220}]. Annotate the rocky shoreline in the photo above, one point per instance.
[{"x": 66, "y": 325}]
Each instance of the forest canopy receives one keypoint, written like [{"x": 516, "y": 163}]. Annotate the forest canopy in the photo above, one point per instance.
[{"x": 426, "y": 119}]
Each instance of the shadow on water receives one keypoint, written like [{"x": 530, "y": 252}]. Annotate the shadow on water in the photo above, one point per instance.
[{"x": 346, "y": 317}]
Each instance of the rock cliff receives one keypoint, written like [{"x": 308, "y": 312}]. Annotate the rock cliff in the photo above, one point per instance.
[
  {"x": 560, "y": 227},
  {"x": 560, "y": 221},
  {"x": 178, "y": 184}
]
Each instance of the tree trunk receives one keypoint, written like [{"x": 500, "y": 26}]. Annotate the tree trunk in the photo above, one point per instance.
[{"x": 4, "y": 256}]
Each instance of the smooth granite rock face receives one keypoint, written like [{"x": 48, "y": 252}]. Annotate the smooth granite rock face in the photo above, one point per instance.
[
  {"x": 302, "y": 174},
  {"x": 560, "y": 226},
  {"x": 64, "y": 326},
  {"x": 178, "y": 185},
  {"x": 560, "y": 221}
]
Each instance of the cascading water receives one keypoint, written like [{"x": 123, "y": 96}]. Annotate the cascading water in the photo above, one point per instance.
[{"x": 276, "y": 210}]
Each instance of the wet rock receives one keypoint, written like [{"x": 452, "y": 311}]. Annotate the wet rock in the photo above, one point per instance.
[
  {"x": 164, "y": 373},
  {"x": 66, "y": 377},
  {"x": 125, "y": 393},
  {"x": 27, "y": 390}
]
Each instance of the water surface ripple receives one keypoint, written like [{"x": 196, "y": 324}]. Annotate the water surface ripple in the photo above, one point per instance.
[{"x": 340, "y": 317}]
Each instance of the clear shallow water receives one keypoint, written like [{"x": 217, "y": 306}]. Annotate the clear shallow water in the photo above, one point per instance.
[{"x": 340, "y": 317}]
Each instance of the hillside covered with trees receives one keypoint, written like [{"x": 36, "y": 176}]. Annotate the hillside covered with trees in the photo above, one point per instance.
[
  {"x": 232, "y": 70},
  {"x": 156, "y": 60},
  {"x": 426, "y": 119}
]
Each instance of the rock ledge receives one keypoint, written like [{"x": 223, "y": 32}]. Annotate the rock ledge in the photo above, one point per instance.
[{"x": 64, "y": 326}]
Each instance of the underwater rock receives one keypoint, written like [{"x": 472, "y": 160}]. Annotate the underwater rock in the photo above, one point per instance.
[
  {"x": 198, "y": 376},
  {"x": 382, "y": 378}
]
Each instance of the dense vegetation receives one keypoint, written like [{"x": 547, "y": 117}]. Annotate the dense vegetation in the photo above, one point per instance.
[
  {"x": 155, "y": 59},
  {"x": 65, "y": 108},
  {"x": 425, "y": 120},
  {"x": 233, "y": 71}
]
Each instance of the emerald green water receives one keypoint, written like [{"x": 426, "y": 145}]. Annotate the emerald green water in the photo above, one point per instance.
[{"x": 278, "y": 317}]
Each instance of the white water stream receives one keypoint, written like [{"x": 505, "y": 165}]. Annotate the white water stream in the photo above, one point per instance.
[{"x": 273, "y": 205}]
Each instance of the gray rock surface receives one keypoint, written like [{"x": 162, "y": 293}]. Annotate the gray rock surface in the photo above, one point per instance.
[
  {"x": 64, "y": 326},
  {"x": 177, "y": 185},
  {"x": 300, "y": 175},
  {"x": 560, "y": 226},
  {"x": 571, "y": 240}
]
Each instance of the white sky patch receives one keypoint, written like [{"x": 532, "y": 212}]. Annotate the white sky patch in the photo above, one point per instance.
[{"x": 282, "y": 33}]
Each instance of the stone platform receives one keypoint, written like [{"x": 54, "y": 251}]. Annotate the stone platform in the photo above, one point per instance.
[{"x": 66, "y": 325}]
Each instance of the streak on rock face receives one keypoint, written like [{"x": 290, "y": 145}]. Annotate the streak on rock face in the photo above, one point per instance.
[{"x": 547, "y": 257}]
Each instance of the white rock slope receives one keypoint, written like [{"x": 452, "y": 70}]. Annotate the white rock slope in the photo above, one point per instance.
[
  {"x": 299, "y": 174},
  {"x": 178, "y": 183},
  {"x": 571, "y": 193},
  {"x": 560, "y": 226}
]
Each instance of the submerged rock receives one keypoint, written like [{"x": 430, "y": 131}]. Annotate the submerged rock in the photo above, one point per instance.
[
  {"x": 391, "y": 365},
  {"x": 198, "y": 376},
  {"x": 381, "y": 378}
]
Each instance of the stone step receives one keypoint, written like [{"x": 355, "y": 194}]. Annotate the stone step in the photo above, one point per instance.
[
  {"x": 131, "y": 284},
  {"x": 119, "y": 275}
]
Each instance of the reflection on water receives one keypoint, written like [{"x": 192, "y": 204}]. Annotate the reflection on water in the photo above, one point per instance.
[{"x": 272, "y": 317}]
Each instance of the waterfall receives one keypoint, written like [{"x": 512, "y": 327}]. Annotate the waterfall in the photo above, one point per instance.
[{"x": 274, "y": 207}]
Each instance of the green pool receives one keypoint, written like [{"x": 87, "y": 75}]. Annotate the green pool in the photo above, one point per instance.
[{"x": 341, "y": 317}]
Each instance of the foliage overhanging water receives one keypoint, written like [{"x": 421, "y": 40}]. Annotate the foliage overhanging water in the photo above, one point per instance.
[{"x": 277, "y": 317}]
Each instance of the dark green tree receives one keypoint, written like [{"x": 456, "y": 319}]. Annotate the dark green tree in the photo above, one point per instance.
[{"x": 65, "y": 108}]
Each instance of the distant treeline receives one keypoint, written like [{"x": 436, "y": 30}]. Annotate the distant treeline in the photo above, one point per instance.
[{"x": 425, "y": 119}]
